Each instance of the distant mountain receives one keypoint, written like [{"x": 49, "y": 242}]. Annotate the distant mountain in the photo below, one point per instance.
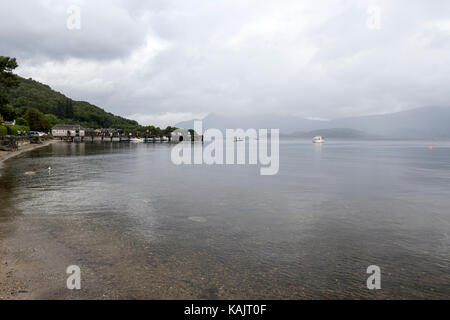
[
  {"x": 421, "y": 123},
  {"x": 335, "y": 133},
  {"x": 429, "y": 122},
  {"x": 287, "y": 124}
]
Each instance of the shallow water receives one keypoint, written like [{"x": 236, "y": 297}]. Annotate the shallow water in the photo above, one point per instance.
[{"x": 141, "y": 227}]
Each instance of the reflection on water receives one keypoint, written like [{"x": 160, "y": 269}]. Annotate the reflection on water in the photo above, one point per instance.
[{"x": 144, "y": 227}]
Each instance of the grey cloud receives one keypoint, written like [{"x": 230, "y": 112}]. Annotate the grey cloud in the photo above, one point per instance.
[
  {"x": 37, "y": 30},
  {"x": 308, "y": 58}
]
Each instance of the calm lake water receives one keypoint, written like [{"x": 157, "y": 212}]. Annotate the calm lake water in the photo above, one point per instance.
[{"x": 140, "y": 227}]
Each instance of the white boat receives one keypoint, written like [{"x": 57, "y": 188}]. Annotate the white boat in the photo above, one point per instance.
[
  {"x": 136, "y": 140},
  {"x": 318, "y": 139}
]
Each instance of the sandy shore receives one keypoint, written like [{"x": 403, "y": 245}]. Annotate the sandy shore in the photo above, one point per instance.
[{"x": 5, "y": 155}]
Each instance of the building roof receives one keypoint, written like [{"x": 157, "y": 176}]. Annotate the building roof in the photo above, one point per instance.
[{"x": 67, "y": 127}]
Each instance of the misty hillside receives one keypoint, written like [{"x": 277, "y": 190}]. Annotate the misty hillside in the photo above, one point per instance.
[
  {"x": 421, "y": 123},
  {"x": 431, "y": 122},
  {"x": 336, "y": 133},
  {"x": 287, "y": 124}
]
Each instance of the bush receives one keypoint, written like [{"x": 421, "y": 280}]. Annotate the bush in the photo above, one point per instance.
[
  {"x": 21, "y": 122},
  {"x": 12, "y": 130},
  {"x": 3, "y": 131}
]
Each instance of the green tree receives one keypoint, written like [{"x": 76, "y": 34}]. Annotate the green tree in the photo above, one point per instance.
[
  {"x": 21, "y": 122},
  {"x": 64, "y": 109},
  {"x": 8, "y": 112},
  {"x": 61, "y": 110},
  {"x": 20, "y": 112},
  {"x": 52, "y": 120},
  {"x": 36, "y": 120},
  {"x": 167, "y": 131},
  {"x": 69, "y": 109},
  {"x": 7, "y": 78}
]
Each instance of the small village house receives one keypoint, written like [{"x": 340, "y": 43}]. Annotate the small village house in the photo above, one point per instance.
[
  {"x": 68, "y": 130},
  {"x": 111, "y": 132}
]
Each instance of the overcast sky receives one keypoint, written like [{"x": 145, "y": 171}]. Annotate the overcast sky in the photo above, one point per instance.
[{"x": 165, "y": 61}]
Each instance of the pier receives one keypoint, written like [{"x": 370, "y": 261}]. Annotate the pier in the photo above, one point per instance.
[
  {"x": 76, "y": 133},
  {"x": 121, "y": 138}
]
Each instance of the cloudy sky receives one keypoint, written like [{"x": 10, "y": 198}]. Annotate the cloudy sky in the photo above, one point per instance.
[{"x": 165, "y": 61}]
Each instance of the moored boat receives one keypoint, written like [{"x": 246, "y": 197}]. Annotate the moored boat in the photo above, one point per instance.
[{"x": 318, "y": 139}]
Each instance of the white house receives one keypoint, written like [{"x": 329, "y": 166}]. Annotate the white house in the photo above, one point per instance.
[{"x": 68, "y": 130}]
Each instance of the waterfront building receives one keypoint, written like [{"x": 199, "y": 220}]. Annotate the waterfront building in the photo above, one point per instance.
[{"x": 68, "y": 130}]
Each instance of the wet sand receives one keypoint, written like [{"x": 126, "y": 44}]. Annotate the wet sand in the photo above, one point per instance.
[{"x": 5, "y": 155}]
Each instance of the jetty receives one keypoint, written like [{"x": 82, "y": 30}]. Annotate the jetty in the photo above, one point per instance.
[{"x": 76, "y": 133}]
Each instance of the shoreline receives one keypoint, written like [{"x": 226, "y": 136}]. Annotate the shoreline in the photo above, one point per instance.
[{"x": 6, "y": 155}]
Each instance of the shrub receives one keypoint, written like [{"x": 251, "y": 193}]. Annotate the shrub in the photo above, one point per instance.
[
  {"x": 12, "y": 130},
  {"x": 3, "y": 131},
  {"x": 21, "y": 122}
]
